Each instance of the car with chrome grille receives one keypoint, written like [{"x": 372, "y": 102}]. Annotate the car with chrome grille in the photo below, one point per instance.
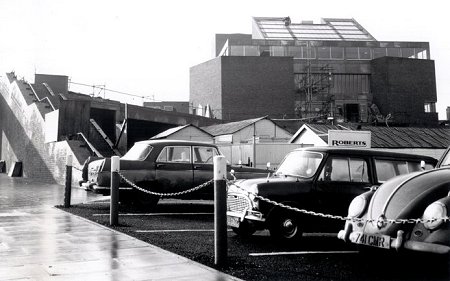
[
  {"x": 319, "y": 180},
  {"x": 407, "y": 213}
]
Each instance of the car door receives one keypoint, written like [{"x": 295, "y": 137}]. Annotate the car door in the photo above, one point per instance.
[
  {"x": 203, "y": 166},
  {"x": 173, "y": 167},
  {"x": 342, "y": 178}
]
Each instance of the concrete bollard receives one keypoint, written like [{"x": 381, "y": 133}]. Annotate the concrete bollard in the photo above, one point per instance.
[
  {"x": 68, "y": 185},
  {"x": 115, "y": 181},
  {"x": 220, "y": 211}
]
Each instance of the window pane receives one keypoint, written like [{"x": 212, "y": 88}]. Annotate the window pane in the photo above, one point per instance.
[
  {"x": 295, "y": 52},
  {"x": 393, "y": 52},
  {"x": 408, "y": 53},
  {"x": 237, "y": 50},
  {"x": 340, "y": 170},
  {"x": 204, "y": 154},
  {"x": 181, "y": 154},
  {"x": 323, "y": 52},
  {"x": 351, "y": 53},
  {"x": 277, "y": 51},
  {"x": 251, "y": 51},
  {"x": 385, "y": 170},
  {"x": 309, "y": 53},
  {"x": 364, "y": 54},
  {"x": 337, "y": 53},
  {"x": 358, "y": 170},
  {"x": 379, "y": 52}
]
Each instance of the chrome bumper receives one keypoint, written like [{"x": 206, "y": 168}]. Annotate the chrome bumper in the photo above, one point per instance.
[{"x": 398, "y": 242}]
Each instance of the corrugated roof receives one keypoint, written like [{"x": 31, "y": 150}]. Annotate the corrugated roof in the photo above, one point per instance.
[
  {"x": 230, "y": 128},
  {"x": 397, "y": 137}
]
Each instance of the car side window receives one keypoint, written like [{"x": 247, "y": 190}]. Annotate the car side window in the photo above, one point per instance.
[
  {"x": 345, "y": 170},
  {"x": 387, "y": 168},
  {"x": 204, "y": 154},
  {"x": 177, "y": 154}
]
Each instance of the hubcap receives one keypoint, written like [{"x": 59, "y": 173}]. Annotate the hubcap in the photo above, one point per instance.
[{"x": 289, "y": 228}]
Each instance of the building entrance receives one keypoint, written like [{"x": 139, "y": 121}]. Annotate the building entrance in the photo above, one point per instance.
[{"x": 352, "y": 112}]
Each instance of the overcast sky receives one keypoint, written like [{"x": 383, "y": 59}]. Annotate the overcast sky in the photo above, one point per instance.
[{"x": 146, "y": 48}]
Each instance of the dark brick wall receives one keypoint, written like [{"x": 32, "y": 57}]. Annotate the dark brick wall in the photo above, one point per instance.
[
  {"x": 401, "y": 86},
  {"x": 240, "y": 88},
  {"x": 257, "y": 86}
]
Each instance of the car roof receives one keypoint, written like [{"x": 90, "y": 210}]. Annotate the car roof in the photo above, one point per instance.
[
  {"x": 367, "y": 152},
  {"x": 174, "y": 142}
]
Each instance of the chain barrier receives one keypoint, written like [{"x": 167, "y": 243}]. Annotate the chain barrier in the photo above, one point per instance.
[
  {"x": 165, "y": 194},
  {"x": 353, "y": 219}
]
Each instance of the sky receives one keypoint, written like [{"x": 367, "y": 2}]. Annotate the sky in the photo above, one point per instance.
[{"x": 145, "y": 48}]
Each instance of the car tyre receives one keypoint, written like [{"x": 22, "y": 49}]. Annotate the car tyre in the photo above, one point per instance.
[
  {"x": 285, "y": 226},
  {"x": 245, "y": 229}
]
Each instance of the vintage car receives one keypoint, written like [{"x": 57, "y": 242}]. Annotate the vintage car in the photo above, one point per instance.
[
  {"x": 316, "y": 179},
  {"x": 407, "y": 212},
  {"x": 163, "y": 166}
]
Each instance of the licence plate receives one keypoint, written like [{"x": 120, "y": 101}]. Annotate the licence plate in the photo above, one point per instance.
[
  {"x": 233, "y": 221},
  {"x": 373, "y": 240}
]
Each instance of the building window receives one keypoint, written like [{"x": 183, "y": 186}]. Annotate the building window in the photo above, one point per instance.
[
  {"x": 393, "y": 52},
  {"x": 236, "y": 50},
  {"x": 277, "y": 51},
  {"x": 323, "y": 52},
  {"x": 351, "y": 53},
  {"x": 168, "y": 108},
  {"x": 364, "y": 54},
  {"x": 309, "y": 53},
  {"x": 337, "y": 53},
  {"x": 379, "y": 52},
  {"x": 430, "y": 107},
  {"x": 295, "y": 52},
  {"x": 408, "y": 53},
  {"x": 251, "y": 51}
]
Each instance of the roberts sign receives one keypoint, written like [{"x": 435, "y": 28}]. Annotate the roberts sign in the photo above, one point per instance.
[{"x": 346, "y": 138}]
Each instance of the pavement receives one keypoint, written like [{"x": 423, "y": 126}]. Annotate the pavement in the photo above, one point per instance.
[{"x": 41, "y": 242}]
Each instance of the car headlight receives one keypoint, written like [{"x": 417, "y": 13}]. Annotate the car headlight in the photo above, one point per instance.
[
  {"x": 357, "y": 206},
  {"x": 433, "y": 215}
]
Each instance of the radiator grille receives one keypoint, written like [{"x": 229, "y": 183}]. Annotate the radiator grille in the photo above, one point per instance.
[{"x": 236, "y": 203}]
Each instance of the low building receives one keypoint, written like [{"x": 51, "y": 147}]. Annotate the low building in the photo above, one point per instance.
[{"x": 424, "y": 141}]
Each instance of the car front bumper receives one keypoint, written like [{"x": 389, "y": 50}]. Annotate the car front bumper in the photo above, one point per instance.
[{"x": 398, "y": 242}]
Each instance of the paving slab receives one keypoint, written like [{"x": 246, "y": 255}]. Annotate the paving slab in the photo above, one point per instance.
[{"x": 41, "y": 242}]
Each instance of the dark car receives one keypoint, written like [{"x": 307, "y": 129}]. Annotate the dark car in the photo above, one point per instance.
[
  {"x": 316, "y": 179},
  {"x": 407, "y": 212},
  {"x": 163, "y": 166}
]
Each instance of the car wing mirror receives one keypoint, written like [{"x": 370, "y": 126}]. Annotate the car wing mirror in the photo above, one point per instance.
[{"x": 373, "y": 187}]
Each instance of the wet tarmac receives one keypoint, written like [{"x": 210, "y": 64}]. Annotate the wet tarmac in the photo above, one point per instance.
[{"x": 40, "y": 242}]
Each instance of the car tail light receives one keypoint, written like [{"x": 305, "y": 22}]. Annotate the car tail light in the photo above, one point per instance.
[
  {"x": 357, "y": 206},
  {"x": 434, "y": 214}
]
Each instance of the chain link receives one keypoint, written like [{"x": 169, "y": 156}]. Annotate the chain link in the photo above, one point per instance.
[
  {"x": 165, "y": 194},
  {"x": 353, "y": 219}
]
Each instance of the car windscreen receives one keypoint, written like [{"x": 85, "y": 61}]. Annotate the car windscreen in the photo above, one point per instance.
[
  {"x": 300, "y": 164},
  {"x": 138, "y": 152}
]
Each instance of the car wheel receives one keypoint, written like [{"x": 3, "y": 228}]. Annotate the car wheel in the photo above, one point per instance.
[
  {"x": 245, "y": 229},
  {"x": 284, "y": 226},
  {"x": 146, "y": 201}
]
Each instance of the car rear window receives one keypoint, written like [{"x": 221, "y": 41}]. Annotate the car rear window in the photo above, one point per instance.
[
  {"x": 387, "y": 169},
  {"x": 138, "y": 152}
]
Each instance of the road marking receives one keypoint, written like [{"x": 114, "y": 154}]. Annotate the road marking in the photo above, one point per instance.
[
  {"x": 176, "y": 230},
  {"x": 301, "y": 253},
  {"x": 155, "y": 214}
]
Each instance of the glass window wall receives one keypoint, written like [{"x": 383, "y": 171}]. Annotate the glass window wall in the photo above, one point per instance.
[
  {"x": 337, "y": 53},
  {"x": 379, "y": 52},
  {"x": 364, "y": 53},
  {"x": 393, "y": 52},
  {"x": 323, "y": 53},
  {"x": 351, "y": 53}
]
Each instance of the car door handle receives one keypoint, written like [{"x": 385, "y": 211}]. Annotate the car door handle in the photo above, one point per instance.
[
  {"x": 159, "y": 165},
  {"x": 197, "y": 167}
]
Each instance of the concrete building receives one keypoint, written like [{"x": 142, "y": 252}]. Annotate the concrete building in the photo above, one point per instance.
[
  {"x": 176, "y": 106},
  {"x": 335, "y": 69}
]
